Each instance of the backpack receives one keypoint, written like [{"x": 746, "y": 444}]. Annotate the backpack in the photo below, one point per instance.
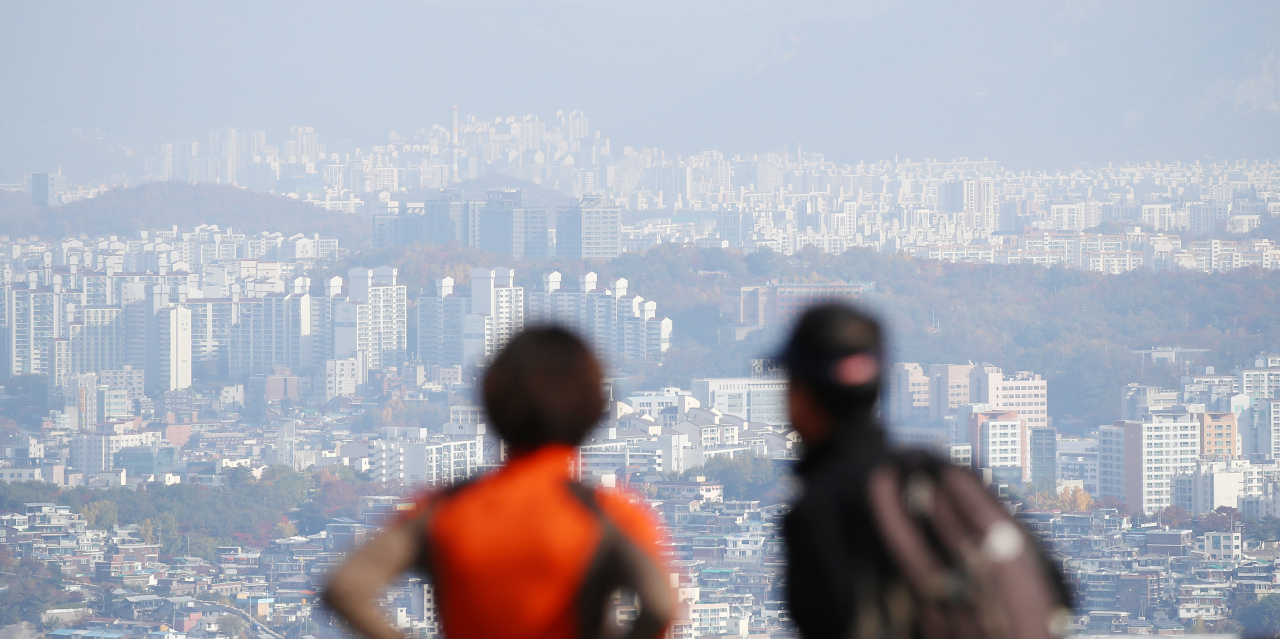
[{"x": 968, "y": 569}]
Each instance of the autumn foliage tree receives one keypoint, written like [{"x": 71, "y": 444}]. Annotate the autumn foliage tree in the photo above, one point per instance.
[{"x": 1072, "y": 499}]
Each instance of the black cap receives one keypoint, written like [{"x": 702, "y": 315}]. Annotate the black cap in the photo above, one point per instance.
[{"x": 836, "y": 350}]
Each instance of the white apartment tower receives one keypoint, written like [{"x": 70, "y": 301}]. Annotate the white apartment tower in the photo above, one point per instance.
[
  {"x": 33, "y": 321},
  {"x": 171, "y": 367},
  {"x": 617, "y": 324},
  {"x": 1001, "y": 442},
  {"x": 497, "y": 313},
  {"x": 387, "y": 304},
  {"x": 1023, "y": 391},
  {"x": 1266, "y": 426},
  {"x": 1164, "y": 444}
]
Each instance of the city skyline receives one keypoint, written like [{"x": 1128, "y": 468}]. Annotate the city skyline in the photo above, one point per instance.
[
  {"x": 1055, "y": 84},
  {"x": 277, "y": 278}
]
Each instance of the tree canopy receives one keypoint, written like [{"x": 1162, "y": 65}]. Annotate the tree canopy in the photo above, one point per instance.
[
  {"x": 1260, "y": 618},
  {"x": 183, "y": 518},
  {"x": 746, "y": 477}
]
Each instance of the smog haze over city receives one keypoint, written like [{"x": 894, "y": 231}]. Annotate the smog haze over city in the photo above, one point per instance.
[{"x": 257, "y": 258}]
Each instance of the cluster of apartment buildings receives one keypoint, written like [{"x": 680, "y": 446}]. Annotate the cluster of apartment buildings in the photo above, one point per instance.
[
  {"x": 1182, "y": 452},
  {"x": 1168, "y": 448},
  {"x": 504, "y": 222},
  {"x": 456, "y": 329},
  {"x": 113, "y": 323},
  {"x": 959, "y": 210}
]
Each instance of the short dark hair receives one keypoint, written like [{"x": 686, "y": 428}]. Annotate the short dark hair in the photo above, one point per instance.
[
  {"x": 545, "y": 387},
  {"x": 825, "y": 337}
]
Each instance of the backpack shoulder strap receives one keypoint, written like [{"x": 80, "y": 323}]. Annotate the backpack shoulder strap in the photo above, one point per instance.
[
  {"x": 617, "y": 563},
  {"x": 422, "y": 524}
]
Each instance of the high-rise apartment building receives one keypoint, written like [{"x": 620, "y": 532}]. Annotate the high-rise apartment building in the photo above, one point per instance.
[
  {"x": 753, "y": 307},
  {"x": 579, "y": 130},
  {"x": 94, "y": 453},
  {"x": 590, "y": 229},
  {"x": 343, "y": 376},
  {"x": 1136, "y": 400},
  {"x": 980, "y": 205},
  {"x": 509, "y": 227},
  {"x": 272, "y": 331},
  {"x": 948, "y": 389},
  {"x": 1023, "y": 391},
  {"x": 440, "y": 319},
  {"x": 615, "y": 322},
  {"x": 1044, "y": 459},
  {"x": 33, "y": 321},
  {"x": 126, "y": 378},
  {"x": 1001, "y": 442},
  {"x": 1111, "y": 460},
  {"x": 750, "y": 399},
  {"x": 1216, "y": 483},
  {"x": 1260, "y": 382},
  {"x": 388, "y": 311},
  {"x": 80, "y": 399},
  {"x": 211, "y": 322},
  {"x": 497, "y": 313},
  {"x": 1164, "y": 444},
  {"x": 908, "y": 399},
  {"x": 1220, "y": 436},
  {"x": 98, "y": 339},
  {"x": 1266, "y": 426},
  {"x": 424, "y": 463},
  {"x": 170, "y": 367}
]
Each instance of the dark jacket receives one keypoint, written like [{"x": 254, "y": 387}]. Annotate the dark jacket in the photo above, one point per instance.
[{"x": 836, "y": 561}]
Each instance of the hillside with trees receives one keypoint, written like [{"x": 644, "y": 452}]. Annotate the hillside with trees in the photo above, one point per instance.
[
  {"x": 1077, "y": 328},
  {"x": 164, "y": 204},
  {"x": 189, "y": 519}
]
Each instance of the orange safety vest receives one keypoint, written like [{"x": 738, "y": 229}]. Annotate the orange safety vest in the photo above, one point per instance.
[{"x": 509, "y": 552}]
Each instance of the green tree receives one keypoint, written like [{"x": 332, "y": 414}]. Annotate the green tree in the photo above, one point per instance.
[
  {"x": 237, "y": 476},
  {"x": 232, "y": 625},
  {"x": 30, "y": 588},
  {"x": 101, "y": 514},
  {"x": 1260, "y": 618},
  {"x": 147, "y": 530},
  {"x": 284, "y": 529},
  {"x": 745, "y": 477}
]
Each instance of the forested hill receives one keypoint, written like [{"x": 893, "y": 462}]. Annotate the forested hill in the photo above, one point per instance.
[
  {"x": 1076, "y": 328},
  {"x": 163, "y": 204}
]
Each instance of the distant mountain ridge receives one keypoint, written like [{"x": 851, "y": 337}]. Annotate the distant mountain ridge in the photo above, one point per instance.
[{"x": 163, "y": 204}]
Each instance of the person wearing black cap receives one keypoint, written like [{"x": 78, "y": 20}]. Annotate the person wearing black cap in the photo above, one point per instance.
[
  {"x": 834, "y": 553},
  {"x": 888, "y": 543}
]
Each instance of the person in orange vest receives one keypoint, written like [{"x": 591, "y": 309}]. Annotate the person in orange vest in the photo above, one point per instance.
[{"x": 525, "y": 552}]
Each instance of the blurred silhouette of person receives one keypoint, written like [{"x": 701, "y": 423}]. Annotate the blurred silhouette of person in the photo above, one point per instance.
[
  {"x": 885, "y": 543},
  {"x": 526, "y": 551}
]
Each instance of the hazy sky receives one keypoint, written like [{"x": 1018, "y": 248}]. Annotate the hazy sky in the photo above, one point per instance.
[{"x": 1030, "y": 83}]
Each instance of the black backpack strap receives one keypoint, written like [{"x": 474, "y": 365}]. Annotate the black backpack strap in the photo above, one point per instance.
[
  {"x": 618, "y": 563},
  {"x": 422, "y": 525}
]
